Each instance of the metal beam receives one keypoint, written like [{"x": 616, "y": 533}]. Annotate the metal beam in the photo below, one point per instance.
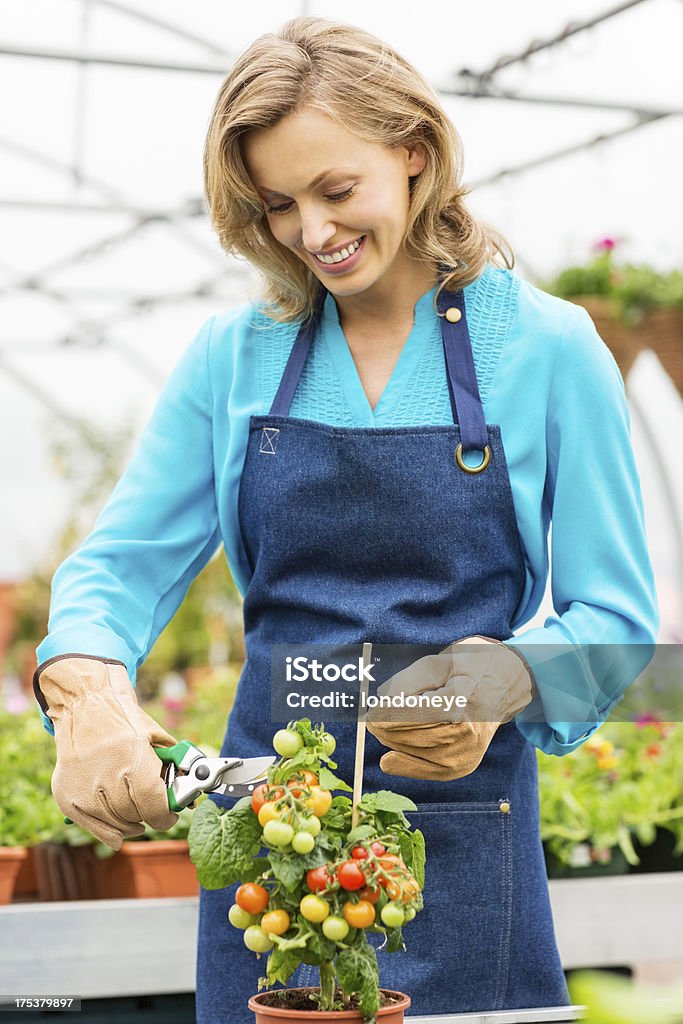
[
  {"x": 166, "y": 26},
  {"x": 560, "y": 154},
  {"x": 78, "y": 57},
  {"x": 192, "y": 209},
  {"x": 491, "y": 92},
  {"x": 82, "y": 427},
  {"x": 573, "y": 28}
]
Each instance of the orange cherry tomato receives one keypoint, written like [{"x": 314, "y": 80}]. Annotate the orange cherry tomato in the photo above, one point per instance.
[
  {"x": 358, "y": 915},
  {"x": 275, "y": 922},
  {"x": 251, "y": 897},
  {"x": 319, "y": 802},
  {"x": 400, "y": 884},
  {"x": 302, "y": 779},
  {"x": 369, "y": 894},
  {"x": 258, "y": 797}
]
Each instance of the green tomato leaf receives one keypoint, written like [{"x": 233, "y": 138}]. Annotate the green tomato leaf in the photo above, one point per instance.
[
  {"x": 385, "y": 800},
  {"x": 281, "y": 965},
  {"x": 328, "y": 780},
  {"x": 287, "y": 868},
  {"x": 244, "y": 801},
  {"x": 223, "y": 844},
  {"x": 395, "y": 941},
  {"x": 416, "y": 863},
  {"x": 360, "y": 832},
  {"x": 357, "y": 971}
]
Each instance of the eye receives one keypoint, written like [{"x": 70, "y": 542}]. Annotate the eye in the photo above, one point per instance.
[{"x": 336, "y": 197}]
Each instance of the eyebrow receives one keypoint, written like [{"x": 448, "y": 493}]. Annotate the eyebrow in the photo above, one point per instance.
[{"x": 312, "y": 185}]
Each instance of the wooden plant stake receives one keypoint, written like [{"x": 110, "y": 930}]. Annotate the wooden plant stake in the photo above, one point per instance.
[{"x": 360, "y": 738}]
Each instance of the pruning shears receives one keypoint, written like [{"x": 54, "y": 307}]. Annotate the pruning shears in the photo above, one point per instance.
[{"x": 188, "y": 772}]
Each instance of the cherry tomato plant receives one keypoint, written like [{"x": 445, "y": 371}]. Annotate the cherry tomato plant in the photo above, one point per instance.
[{"x": 312, "y": 888}]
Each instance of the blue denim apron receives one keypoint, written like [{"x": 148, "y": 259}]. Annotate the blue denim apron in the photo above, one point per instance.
[{"x": 377, "y": 534}]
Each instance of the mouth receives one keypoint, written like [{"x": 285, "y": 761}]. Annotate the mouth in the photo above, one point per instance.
[{"x": 344, "y": 258}]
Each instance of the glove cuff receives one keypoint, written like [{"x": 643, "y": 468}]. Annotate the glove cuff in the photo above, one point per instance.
[{"x": 58, "y": 684}]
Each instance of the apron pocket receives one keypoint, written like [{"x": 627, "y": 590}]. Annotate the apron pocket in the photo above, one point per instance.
[{"x": 458, "y": 946}]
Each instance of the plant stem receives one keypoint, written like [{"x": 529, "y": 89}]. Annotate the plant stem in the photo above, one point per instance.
[{"x": 327, "y": 985}]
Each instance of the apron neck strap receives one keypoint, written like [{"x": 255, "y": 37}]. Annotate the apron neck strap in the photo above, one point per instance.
[
  {"x": 463, "y": 389},
  {"x": 297, "y": 357}
]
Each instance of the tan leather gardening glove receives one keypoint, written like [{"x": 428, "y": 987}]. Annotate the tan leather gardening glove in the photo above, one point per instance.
[
  {"x": 107, "y": 777},
  {"x": 444, "y": 745}
]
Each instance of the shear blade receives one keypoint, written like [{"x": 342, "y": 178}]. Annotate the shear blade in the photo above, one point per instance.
[{"x": 251, "y": 771}]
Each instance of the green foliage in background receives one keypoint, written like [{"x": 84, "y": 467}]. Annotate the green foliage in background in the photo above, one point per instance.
[
  {"x": 207, "y": 627},
  {"x": 625, "y": 781},
  {"x": 634, "y": 288},
  {"x": 203, "y": 715},
  {"x": 611, "y": 999},
  {"x": 28, "y": 812}
]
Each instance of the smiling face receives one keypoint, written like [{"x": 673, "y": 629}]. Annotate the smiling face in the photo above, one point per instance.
[{"x": 363, "y": 196}]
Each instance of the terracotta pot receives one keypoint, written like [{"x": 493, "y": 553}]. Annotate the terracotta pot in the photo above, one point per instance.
[
  {"x": 27, "y": 880},
  {"x": 66, "y": 872},
  {"x": 392, "y": 1014},
  {"x": 149, "y": 869},
  {"x": 11, "y": 858}
]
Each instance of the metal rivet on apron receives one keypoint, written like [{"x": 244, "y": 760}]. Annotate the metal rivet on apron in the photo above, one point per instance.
[
  {"x": 504, "y": 807},
  {"x": 473, "y": 469},
  {"x": 453, "y": 314}
]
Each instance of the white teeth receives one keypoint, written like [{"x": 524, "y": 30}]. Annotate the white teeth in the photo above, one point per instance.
[{"x": 343, "y": 254}]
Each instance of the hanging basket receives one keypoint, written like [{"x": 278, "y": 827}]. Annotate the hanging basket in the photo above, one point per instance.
[
  {"x": 662, "y": 331},
  {"x": 623, "y": 340},
  {"x": 659, "y": 329}
]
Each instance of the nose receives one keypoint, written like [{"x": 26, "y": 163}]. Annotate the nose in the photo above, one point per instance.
[{"x": 317, "y": 230}]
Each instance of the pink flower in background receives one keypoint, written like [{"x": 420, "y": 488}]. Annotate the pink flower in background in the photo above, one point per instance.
[
  {"x": 647, "y": 718},
  {"x": 605, "y": 245},
  {"x": 172, "y": 704}
]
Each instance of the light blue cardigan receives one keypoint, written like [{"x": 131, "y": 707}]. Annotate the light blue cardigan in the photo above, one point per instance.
[{"x": 544, "y": 376}]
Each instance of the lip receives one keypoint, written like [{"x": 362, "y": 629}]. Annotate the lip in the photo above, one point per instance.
[{"x": 347, "y": 264}]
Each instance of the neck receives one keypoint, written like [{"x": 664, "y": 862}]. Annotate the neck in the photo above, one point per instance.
[{"x": 388, "y": 302}]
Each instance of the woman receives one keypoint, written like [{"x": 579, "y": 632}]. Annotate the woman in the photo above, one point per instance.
[{"x": 344, "y": 437}]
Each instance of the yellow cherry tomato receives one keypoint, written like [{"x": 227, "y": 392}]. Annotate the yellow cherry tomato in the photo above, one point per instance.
[
  {"x": 314, "y": 908},
  {"x": 319, "y": 802},
  {"x": 275, "y": 922},
  {"x": 268, "y": 813}
]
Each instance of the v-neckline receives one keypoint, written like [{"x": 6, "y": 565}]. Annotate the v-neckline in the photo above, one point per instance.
[{"x": 346, "y": 368}]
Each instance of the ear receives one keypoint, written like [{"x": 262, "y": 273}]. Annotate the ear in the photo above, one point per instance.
[{"x": 416, "y": 158}]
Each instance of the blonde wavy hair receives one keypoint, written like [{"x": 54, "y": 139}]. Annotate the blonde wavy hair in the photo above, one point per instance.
[{"x": 371, "y": 90}]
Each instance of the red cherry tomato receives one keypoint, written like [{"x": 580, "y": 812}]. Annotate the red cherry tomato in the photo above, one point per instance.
[
  {"x": 318, "y": 879},
  {"x": 350, "y": 876},
  {"x": 360, "y": 853}
]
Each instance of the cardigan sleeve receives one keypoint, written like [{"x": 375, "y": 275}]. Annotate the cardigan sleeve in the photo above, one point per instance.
[
  {"x": 602, "y": 634},
  {"x": 114, "y": 595}
]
